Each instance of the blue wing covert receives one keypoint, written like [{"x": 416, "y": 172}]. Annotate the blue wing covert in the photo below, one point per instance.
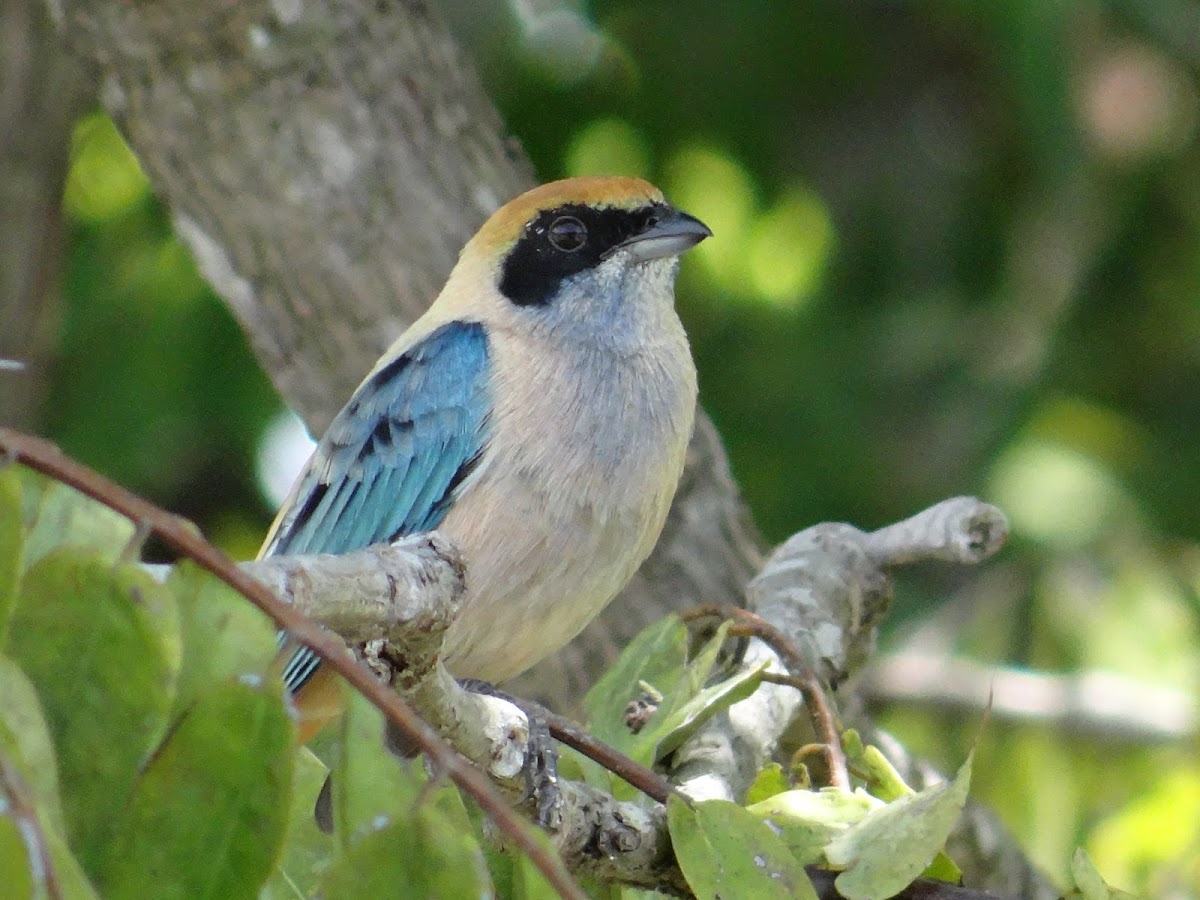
[{"x": 391, "y": 461}]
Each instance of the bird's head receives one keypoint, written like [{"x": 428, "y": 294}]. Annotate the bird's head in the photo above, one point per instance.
[{"x": 584, "y": 253}]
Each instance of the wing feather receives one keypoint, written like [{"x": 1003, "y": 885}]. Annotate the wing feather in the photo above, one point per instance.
[{"x": 393, "y": 459}]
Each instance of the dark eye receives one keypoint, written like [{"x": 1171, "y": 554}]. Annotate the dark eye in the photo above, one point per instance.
[{"x": 568, "y": 234}]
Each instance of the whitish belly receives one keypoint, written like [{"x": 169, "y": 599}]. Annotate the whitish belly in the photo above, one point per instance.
[{"x": 535, "y": 578}]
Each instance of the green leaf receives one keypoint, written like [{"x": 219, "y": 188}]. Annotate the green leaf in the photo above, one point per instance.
[
  {"x": 73, "y": 884},
  {"x": 726, "y": 851},
  {"x": 528, "y": 883},
  {"x": 769, "y": 781},
  {"x": 14, "y": 858},
  {"x": 422, "y": 855},
  {"x": 570, "y": 763},
  {"x": 683, "y": 721},
  {"x": 893, "y": 845},
  {"x": 1136, "y": 838},
  {"x": 1089, "y": 883},
  {"x": 882, "y": 778},
  {"x": 501, "y": 869},
  {"x": 27, "y": 765},
  {"x": 223, "y": 636},
  {"x": 307, "y": 852},
  {"x": 1088, "y": 880},
  {"x": 943, "y": 868},
  {"x": 393, "y": 826},
  {"x": 515, "y": 877},
  {"x": 808, "y": 820},
  {"x": 64, "y": 517},
  {"x": 208, "y": 816},
  {"x": 657, "y": 656},
  {"x": 10, "y": 543},
  {"x": 371, "y": 785},
  {"x": 700, "y": 667},
  {"x": 35, "y": 862},
  {"x": 97, "y": 641},
  {"x": 25, "y": 740}
]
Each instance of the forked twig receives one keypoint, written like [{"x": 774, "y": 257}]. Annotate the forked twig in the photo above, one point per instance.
[{"x": 748, "y": 624}]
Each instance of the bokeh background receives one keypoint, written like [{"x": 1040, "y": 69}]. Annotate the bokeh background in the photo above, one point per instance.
[{"x": 957, "y": 251}]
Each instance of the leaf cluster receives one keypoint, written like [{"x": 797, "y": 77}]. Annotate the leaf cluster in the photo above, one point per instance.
[{"x": 146, "y": 747}]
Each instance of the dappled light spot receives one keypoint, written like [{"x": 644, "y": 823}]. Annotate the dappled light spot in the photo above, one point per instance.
[
  {"x": 105, "y": 179},
  {"x": 1095, "y": 430},
  {"x": 608, "y": 147},
  {"x": 790, "y": 248},
  {"x": 717, "y": 189},
  {"x": 1135, "y": 103},
  {"x": 1147, "y": 834},
  {"x": 1054, "y": 494},
  {"x": 284, "y": 449},
  {"x": 561, "y": 42}
]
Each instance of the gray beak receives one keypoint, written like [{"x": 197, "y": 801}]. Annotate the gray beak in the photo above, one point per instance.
[{"x": 669, "y": 236}]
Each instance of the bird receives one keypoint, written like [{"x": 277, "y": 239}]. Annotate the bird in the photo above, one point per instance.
[{"x": 537, "y": 414}]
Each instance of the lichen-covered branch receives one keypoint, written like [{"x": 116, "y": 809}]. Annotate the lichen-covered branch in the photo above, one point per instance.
[
  {"x": 827, "y": 586},
  {"x": 829, "y": 580},
  {"x": 834, "y": 580},
  {"x": 398, "y": 592},
  {"x": 826, "y": 589}
]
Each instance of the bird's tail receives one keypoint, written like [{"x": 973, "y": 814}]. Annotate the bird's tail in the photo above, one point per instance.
[{"x": 315, "y": 690}]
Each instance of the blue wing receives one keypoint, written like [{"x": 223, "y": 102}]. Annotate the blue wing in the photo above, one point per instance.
[{"x": 391, "y": 461}]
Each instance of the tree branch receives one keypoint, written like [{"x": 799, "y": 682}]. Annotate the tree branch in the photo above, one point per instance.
[
  {"x": 598, "y": 835},
  {"x": 399, "y": 592},
  {"x": 826, "y": 590},
  {"x": 1102, "y": 704},
  {"x": 832, "y": 574}
]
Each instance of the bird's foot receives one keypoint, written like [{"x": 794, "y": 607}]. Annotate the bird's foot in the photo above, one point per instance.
[{"x": 541, "y": 766}]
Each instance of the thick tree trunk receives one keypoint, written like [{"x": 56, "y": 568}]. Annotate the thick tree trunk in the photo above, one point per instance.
[{"x": 43, "y": 91}]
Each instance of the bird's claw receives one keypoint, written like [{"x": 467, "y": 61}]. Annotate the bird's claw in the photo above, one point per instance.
[
  {"x": 541, "y": 756},
  {"x": 541, "y": 772}
]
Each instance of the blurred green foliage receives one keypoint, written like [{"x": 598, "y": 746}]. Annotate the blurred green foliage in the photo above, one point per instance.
[
  {"x": 957, "y": 251},
  {"x": 108, "y": 749}
]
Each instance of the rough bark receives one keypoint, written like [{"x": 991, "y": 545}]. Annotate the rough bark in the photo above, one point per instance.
[
  {"x": 323, "y": 161},
  {"x": 43, "y": 90}
]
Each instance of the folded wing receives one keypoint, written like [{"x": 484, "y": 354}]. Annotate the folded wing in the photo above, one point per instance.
[{"x": 393, "y": 460}]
